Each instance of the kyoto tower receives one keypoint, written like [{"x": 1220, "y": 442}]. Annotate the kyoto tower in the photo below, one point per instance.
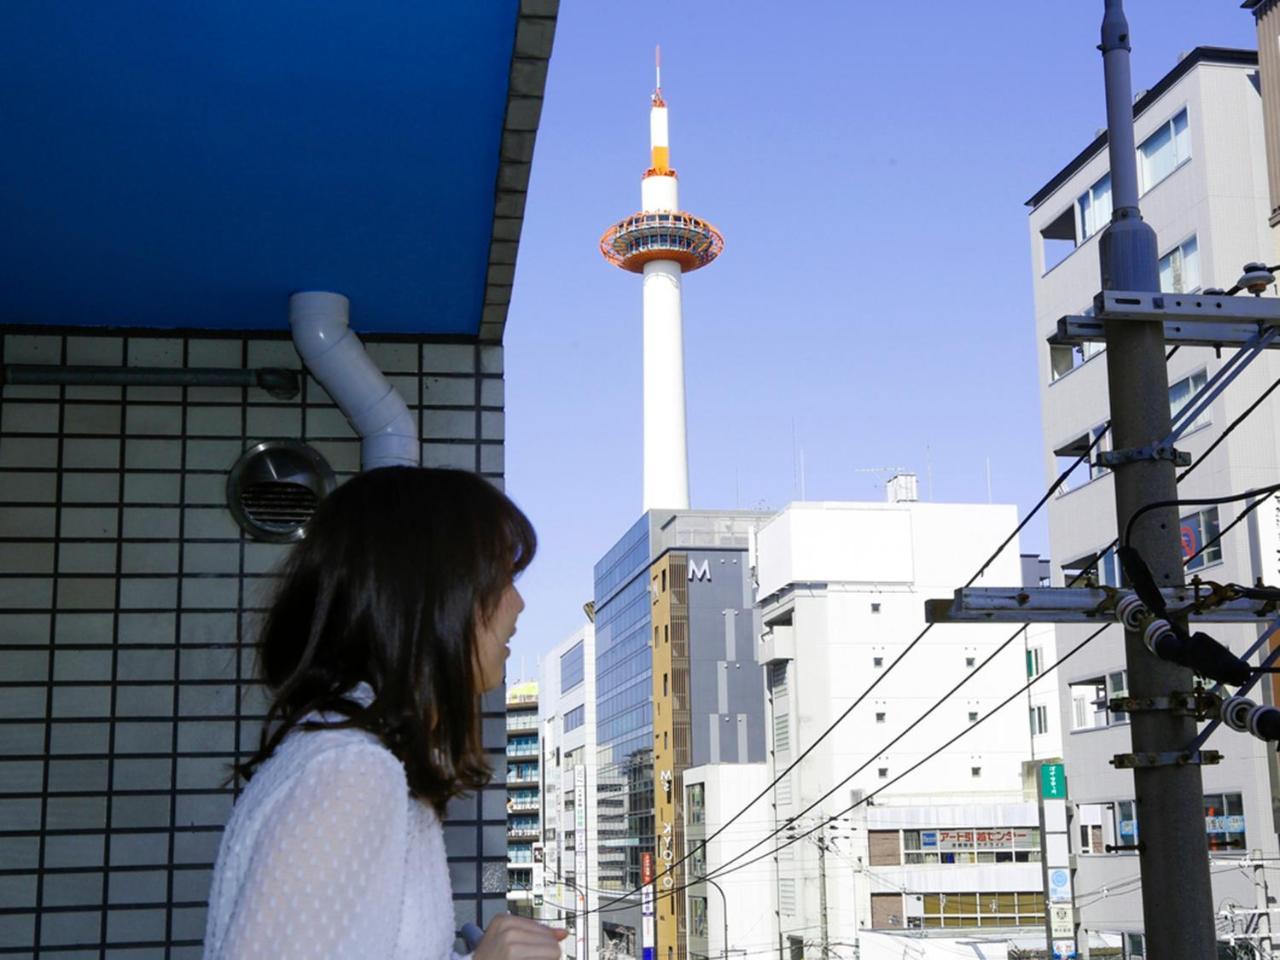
[{"x": 662, "y": 242}]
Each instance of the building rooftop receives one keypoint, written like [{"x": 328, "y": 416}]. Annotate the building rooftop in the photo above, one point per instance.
[{"x": 1222, "y": 55}]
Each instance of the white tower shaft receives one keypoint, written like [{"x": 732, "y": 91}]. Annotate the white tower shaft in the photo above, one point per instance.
[
  {"x": 666, "y": 449},
  {"x": 666, "y": 457}
]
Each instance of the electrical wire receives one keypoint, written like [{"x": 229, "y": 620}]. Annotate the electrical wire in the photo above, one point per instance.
[
  {"x": 1262, "y": 492},
  {"x": 726, "y": 868},
  {"x": 982, "y": 569}
]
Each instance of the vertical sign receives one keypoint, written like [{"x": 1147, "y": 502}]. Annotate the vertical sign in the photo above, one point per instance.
[
  {"x": 580, "y": 855},
  {"x": 646, "y": 905},
  {"x": 1055, "y": 862}
]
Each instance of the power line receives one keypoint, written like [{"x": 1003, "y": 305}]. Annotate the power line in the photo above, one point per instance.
[{"x": 1062, "y": 478}]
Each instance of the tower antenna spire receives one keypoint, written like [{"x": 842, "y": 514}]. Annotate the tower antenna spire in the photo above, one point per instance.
[{"x": 657, "y": 76}]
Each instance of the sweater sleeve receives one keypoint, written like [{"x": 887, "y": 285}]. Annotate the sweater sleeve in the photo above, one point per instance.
[{"x": 327, "y": 874}]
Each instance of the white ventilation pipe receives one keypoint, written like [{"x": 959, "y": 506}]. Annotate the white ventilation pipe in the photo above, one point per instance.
[{"x": 337, "y": 359}]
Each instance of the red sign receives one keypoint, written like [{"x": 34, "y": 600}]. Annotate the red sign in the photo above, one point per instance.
[{"x": 646, "y": 867}]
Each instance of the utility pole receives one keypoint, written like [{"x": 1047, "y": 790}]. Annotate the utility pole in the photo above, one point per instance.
[
  {"x": 1262, "y": 903},
  {"x": 1177, "y": 902},
  {"x": 822, "y": 895}
]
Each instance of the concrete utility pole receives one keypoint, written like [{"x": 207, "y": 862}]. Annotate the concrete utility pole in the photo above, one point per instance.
[
  {"x": 1177, "y": 902},
  {"x": 822, "y": 895},
  {"x": 1262, "y": 903}
]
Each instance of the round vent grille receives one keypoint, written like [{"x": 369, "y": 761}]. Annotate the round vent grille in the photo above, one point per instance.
[{"x": 275, "y": 487}]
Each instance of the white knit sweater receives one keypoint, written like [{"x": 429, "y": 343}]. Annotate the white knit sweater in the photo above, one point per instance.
[{"x": 326, "y": 855}]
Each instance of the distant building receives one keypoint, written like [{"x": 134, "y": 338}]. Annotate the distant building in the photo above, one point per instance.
[
  {"x": 676, "y": 686},
  {"x": 524, "y": 803},
  {"x": 954, "y": 845},
  {"x": 570, "y": 822},
  {"x": 1204, "y": 189}
]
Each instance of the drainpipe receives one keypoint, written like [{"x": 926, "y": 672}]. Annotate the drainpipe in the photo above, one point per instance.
[{"x": 337, "y": 359}]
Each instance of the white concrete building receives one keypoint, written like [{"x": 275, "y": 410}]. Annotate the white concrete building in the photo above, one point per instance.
[
  {"x": 713, "y": 794},
  {"x": 954, "y": 844},
  {"x": 1203, "y": 179},
  {"x": 570, "y": 823}
]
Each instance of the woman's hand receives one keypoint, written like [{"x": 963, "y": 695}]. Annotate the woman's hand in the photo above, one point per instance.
[{"x": 519, "y": 938}]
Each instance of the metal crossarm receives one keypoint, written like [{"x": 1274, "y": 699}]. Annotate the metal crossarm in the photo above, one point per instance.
[
  {"x": 1214, "y": 308},
  {"x": 1073, "y": 331},
  {"x": 1087, "y": 605}
]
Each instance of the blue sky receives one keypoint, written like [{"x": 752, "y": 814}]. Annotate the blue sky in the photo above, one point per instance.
[{"x": 868, "y": 165}]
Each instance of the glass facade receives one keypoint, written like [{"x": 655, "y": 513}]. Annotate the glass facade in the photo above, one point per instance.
[{"x": 624, "y": 723}]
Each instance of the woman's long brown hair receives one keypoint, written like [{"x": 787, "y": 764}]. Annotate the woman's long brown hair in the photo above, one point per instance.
[{"x": 397, "y": 565}]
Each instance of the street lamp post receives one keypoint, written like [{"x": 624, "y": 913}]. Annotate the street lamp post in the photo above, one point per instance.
[{"x": 724, "y": 913}]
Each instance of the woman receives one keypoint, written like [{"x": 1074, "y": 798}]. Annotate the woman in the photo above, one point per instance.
[{"x": 390, "y": 619}]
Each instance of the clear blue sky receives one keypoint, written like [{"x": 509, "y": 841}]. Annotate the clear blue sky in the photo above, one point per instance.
[{"x": 868, "y": 164}]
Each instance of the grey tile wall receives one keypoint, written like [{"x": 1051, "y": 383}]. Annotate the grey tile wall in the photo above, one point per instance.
[{"x": 128, "y": 598}]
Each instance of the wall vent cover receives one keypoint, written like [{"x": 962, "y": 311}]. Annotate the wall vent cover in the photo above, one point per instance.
[{"x": 275, "y": 487}]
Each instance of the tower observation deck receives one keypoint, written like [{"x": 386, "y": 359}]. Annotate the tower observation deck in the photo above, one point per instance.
[{"x": 662, "y": 242}]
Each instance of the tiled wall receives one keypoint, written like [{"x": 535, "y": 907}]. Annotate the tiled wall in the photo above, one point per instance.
[{"x": 128, "y": 598}]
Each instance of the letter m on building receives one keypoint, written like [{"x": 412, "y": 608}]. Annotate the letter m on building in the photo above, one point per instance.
[{"x": 700, "y": 572}]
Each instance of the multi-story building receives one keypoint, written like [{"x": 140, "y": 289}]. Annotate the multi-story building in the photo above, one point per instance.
[
  {"x": 954, "y": 844},
  {"x": 714, "y": 794},
  {"x": 1203, "y": 183},
  {"x": 676, "y": 687},
  {"x": 570, "y": 823},
  {"x": 1042, "y": 698},
  {"x": 524, "y": 798}
]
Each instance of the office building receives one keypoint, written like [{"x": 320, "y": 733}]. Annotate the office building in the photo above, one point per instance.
[
  {"x": 943, "y": 849},
  {"x": 570, "y": 819}
]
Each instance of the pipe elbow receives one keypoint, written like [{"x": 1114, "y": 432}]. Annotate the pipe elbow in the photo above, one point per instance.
[{"x": 337, "y": 359}]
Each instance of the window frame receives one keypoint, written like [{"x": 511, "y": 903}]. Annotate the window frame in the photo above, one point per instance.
[{"x": 1179, "y": 162}]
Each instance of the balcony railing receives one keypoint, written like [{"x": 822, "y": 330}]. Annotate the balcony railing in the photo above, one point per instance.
[
  {"x": 530, "y": 777},
  {"x": 520, "y": 750},
  {"x": 522, "y": 721}
]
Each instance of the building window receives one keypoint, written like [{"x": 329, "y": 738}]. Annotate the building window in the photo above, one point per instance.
[
  {"x": 1103, "y": 568},
  {"x": 1135, "y": 946},
  {"x": 1039, "y": 721},
  {"x": 973, "y": 716},
  {"x": 1180, "y": 268},
  {"x": 975, "y": 772},
  {"x": 970, "y": 662},
  {"x": 696, "y": 794},
  {"x": 877, "y": 662},
  {"x": 664, "y": 581},
  {"x": 698, "y": 917},
  {"x": 965, "y": 845},
  {"x": 1197, "y": 529},
  {"x": 1224, "y": 822},
  {"x": 1058, "y": 239},
  {"x": 787, "y": 901},
  {"x": 575, "y": 718},
  {"x": 1163, "y": 152},
  {"x": 880, "y": 717},
  {"x": 1182, "y": 393},
  {"x": 1064, "y": 359},
  {"x": 1094, "y": 207},
  {"x": 983, "y": 909},
  {"x": 571, "y": 670},
  {"x": 1090, "y": 700},
  {"x": 882, "y": 773},
  {"x": 875, "y": 608},
  {"x": 1035, "y": 662}
]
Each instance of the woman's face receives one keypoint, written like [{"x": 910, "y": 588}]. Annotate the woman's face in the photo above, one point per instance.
[{"x": 493, "y": 634}]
